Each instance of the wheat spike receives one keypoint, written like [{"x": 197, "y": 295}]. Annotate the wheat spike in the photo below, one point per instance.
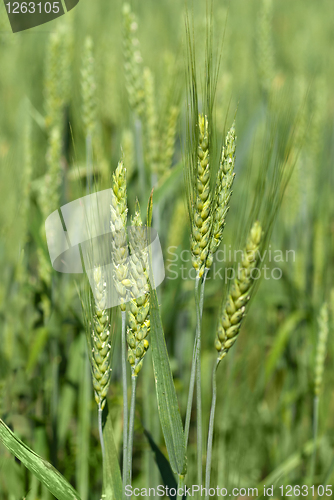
[
  {"x": 132, "y": 61},
  {"x": 169, "y": 139},
  {"x": 225, "y": 178},
  {"x": 49, "y": 198},
  {"x": 57, "y": 78},
  {"x": 321, "y": 348},
  {"x": 88, "y": 88},
  {"x": 100, "y": 341},
  {"x": 202, "y": 216},
  {"x": 235, "y": 306},
  {"x": 50, "y": 193},
  {"x": 118, "y": 217},
  {"x": 265, "y": 51},
  {"x": 139, "y": 305},
  {"x": 151, "y": 122}
]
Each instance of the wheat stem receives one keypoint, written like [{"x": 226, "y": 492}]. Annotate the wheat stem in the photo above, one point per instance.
[
  {"x": 100, "y": 431},
  {"x": 54, "y": 396},
  {"x": 195, "y": 375},
  {"x": 82, "y": 464},
  {"x": 180, "y": 487},
  {"x": 89, "y": 164},
  {"x": 315, "y": 435},
  {"x": 199, "y": 412},
  {"x": 190, "y": 395},
  {"x": 199, "y": 383},
  {"x": 199, "y": 312},
  {"x": 192, "y": 373},
  {"x": 125, "y": 402},
  {"x": 211, "y": 428},
  {"x": 131, "y": 426}
]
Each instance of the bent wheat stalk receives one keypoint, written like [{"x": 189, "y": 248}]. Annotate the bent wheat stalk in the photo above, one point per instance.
[
  {"x": 118, "y": 217},
  {"x": 138, "y": 317}
]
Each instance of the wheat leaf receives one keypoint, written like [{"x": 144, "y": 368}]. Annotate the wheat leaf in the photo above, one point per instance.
[
  {"x": 42, "y": 469},
  {"x": 169, "y": 412},
  {"x": 169, "y": 183},
  {"x": 281, "y": 339},
  {"x": 163, "y": 465},
  {"x": 150, "y": 210}
]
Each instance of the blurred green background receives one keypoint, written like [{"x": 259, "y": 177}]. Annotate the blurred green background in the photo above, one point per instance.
[{"x": 96, "y": 77}]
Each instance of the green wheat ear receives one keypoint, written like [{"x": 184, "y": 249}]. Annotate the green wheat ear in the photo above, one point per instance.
[
  {"x": 139, "y": 305},
  {"x": 169, "y": 138},
  {"x": 209, "y": 213},
  {"x": 88, "y": 88},
  {"x": 321, "y": 348},
  {"x": 202, "y": 216},
  {"x": 119, "y": 246},
  {"x": 100, "y": 341},
  {"x": 225, "y": 178},
  {"x": 132, "y": 61},
  {"x": 265, "y": 50},
  {"x": 57, "y": 78},
  {"x": 151, "y": 122},
  {"x": 240, "y": 293},
  {"x": 99, "y": 334}
]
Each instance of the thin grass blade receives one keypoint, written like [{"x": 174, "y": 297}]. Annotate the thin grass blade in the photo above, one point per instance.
[
  {"x": 169, "y": 412},
  {"x": 42, "y": 469}
]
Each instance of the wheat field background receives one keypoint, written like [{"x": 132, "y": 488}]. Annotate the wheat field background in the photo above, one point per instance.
[{"x": 69, "y": 107}]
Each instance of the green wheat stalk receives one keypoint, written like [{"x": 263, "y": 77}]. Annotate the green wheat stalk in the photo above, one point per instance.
[
  {"x": 119, "y": 255},
  {"x": 138, "y": 315}
]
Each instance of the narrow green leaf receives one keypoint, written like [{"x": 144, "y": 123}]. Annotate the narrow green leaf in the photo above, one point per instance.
[
  {"x": 43, "y": 470},
  {"x": 291, "y": 463},
  {"x": 69, "y": 392},
  {"x": 39, "y": 340},
  {"x": 11, "y": 478},
  {"x": 169, "y": 412},
  {"x": 150, "y": 210},
  {"x": 169, "y": 182},
  {"x": 112, "y": 479},
  {"x": 163, "y": 464},
  {"x": 281, "y": 340}
]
